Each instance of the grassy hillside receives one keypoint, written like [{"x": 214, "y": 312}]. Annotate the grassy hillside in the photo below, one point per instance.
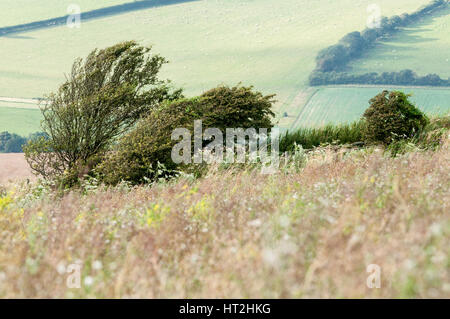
[
  {"x": 269, "y": 44},
  {"x": 303, "y": 234},
  {"x": 424, "y": 47},
  {"x": 346, "y": 104},
  {"x": 26, "y": 11}
]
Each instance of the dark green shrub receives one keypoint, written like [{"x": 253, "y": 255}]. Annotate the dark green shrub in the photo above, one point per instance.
[
  {"x": 137, "y": 155},
  {"x": 390, "y": 117},
  {"x": 237, "y": 106},
  {"x": 144, "y": 154}
]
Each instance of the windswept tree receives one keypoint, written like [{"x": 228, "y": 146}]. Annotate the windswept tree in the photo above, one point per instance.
[{"x": 102, "y": 98}]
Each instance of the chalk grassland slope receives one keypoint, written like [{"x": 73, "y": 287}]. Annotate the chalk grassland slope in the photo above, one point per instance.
[
  {"x": 271, "y": 44},
  {"x": 75, "y": 15},
  {"x": 27, "y": 11},
  {"x": 22, "y": 121},
  {"x": 346, "y": 103},
  {"x": 308, "y": 234},
  {"x": 14, "y": 168},
  {"x": 423, "y": 47}
]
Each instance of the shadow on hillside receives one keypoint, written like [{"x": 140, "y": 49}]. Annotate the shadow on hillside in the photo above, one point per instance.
[
  {"x": 89, "y": 15},
  {"x": 397, "y": 47},
  {"x": 416, "y": 32},
  {"x": 427, "y": 20}
]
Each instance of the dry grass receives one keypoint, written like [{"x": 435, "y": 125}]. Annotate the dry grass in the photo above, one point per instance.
[
  {"x": 240, "y": 235},
  {"x": 14, "y": 167}
]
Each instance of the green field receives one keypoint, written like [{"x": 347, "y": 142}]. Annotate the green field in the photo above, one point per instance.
[
  {"x": 424, "y": 48},
  {"x": 271, "y": 45},
  {"x": 346, "y": 104},
  {"x": 266, "y": 43},
  {"x": 19, "y": 120},
  {"x": 35, "y": 10}
]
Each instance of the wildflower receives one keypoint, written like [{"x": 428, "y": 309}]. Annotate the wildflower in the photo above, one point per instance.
[
  {"x": 435, "y": 229},
  {"x": 270, "y": 257},
  {"x": 284, "y": 221},
  {"x": 194, "y": 258},
  {"x": 61, "y": 268},
  {"x": 409, "y": 264},
  {"x": 255, "y": 223},
  {"x": 88, "y": 281},
  {"x": 97, "y": 265}
]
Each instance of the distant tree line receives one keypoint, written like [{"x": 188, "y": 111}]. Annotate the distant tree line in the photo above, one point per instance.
[
  {"x": 404, "y": 77},
  {"x": 331, "y": 61},
  {"x": 13, "y": 143}
]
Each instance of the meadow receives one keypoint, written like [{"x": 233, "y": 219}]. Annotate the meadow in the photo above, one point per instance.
[{"x": 309, "y": 231}]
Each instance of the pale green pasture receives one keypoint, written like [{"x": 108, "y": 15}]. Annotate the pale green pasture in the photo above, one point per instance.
[
  {"x": 270, "y": 44},
  {"x": 424, "y": 47},
  {"x": 347, "y": 104},
  {"x": 19, "y": 120},
  {"x": 15, "y": 12}
]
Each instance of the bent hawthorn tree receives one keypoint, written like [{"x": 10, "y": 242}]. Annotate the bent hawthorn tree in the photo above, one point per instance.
[{"x": 102, "y": 98}]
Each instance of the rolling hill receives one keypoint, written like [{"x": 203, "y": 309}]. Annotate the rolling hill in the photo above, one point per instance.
[
  {"x": 271, "y": 45},
  {"x": 423, "y": 47}
]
